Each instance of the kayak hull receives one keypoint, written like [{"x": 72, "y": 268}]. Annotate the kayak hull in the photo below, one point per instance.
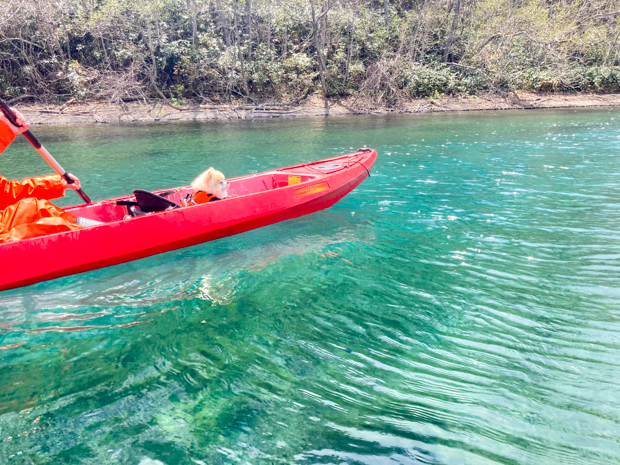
[{"x": 258, "y": 200}]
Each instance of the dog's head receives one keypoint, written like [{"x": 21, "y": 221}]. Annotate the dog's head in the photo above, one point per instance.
[{"x": 212, "y": 182}]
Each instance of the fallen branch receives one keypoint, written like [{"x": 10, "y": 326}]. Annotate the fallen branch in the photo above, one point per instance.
[{"x": 21, "y": 97}]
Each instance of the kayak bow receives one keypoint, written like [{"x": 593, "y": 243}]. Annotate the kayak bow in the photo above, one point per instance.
[{"x": 257, "y": 200}]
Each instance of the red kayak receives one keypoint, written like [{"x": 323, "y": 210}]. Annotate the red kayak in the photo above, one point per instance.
[{"x": 146, "y": 223}]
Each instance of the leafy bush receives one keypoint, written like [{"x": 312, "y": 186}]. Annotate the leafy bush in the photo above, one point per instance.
[
  {"x": 594, "y": 78},
  {"x": 299, "y": 72},
  {"x": 431, "y": 81},
  {"x": 601, "y": 78}
]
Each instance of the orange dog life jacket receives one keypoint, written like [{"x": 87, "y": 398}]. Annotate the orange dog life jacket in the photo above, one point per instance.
[{"x": 198, "y": 198}]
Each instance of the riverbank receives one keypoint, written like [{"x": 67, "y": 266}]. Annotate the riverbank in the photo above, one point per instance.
[{"x": 314, "y": 106}]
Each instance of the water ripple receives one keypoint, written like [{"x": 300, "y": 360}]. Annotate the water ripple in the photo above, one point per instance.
[{"x": 460, "y": 306}]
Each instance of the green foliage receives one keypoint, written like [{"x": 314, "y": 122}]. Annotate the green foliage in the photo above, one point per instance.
[
  {"x": 431, "y": 81},
  {"x": 600, "y": 78},
  {"x": 121, "y": 50},
  {"x": 582, "y": 78}
]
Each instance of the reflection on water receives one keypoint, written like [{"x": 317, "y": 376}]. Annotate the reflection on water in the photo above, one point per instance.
[{"x": 460, "y": 306}]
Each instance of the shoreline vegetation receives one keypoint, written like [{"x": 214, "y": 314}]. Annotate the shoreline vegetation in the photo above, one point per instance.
[
  {"x": 95, "y": 61},
  {"x": 313, "y": 106}
]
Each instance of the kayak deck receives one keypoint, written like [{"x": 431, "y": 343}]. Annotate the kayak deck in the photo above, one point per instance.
[
  {"x": 254, "y": 201},
  {"x": 109, "y": 211}
]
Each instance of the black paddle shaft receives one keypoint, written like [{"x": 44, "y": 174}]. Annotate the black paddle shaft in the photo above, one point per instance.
[{"x": 8, "y": 113}]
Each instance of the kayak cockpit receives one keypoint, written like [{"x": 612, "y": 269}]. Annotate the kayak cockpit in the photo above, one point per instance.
[{"x": 108, "y": 211}]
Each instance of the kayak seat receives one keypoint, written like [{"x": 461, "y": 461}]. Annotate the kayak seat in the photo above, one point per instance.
[{"x": 149, "y": 202}]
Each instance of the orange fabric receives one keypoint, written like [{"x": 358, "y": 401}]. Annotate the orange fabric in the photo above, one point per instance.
[
  {"x": 203, "y": 197},
  {"x": 24, "y": 208},
  {"x": 44, "y": 187},
  {"x": 33, "y": 217},
  {"x": 6, "y": 137},
  {"x": 198, "y": 198}
]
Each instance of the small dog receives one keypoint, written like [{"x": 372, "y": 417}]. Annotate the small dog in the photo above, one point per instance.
[{"x": 210, "y": 185}]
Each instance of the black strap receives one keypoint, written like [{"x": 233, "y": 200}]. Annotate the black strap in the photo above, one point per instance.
[{"x": 127, "y": 203}]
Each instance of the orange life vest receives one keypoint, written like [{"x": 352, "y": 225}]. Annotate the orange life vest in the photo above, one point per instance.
[{"x": 198, "y": 198}]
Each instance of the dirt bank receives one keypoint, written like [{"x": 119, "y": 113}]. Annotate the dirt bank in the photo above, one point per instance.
[{"x": 87, "y": 113}]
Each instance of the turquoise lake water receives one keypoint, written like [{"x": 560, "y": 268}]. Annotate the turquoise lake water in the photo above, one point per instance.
[{"x": 461, "y": 306}]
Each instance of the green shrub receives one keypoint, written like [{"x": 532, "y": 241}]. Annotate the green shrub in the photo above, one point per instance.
[
  {"x": 581, "y": 78},
  {"x": 433, "y": 80}
]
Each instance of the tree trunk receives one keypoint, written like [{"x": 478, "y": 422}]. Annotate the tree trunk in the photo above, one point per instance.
[
  {"x": 386, "y": 12},
  {"x": 153, "y": 73},
  {"x": 222, "y": 22},
  {"x": 152, "y": 53},
  {"x": 349, "y": 55},
  {"x": 455, "y": 22},
  {"x": 269, "y": 21},
  {"x": 238, "y": 44},
  {"x": 247, "y": 26},
  {"x": 191, "y": 7},
  {"x": 316, "y": 32},
  {"x": 105, "y": 53},
  {"x": 350, "y": 48}
]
